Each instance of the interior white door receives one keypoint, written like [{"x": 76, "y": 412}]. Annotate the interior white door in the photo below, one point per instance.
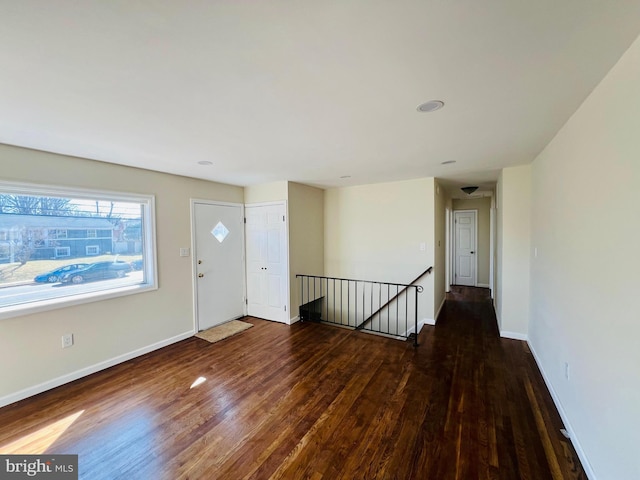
[
  {"x": 267, "y": 262},
  {"x": 465, "y": 247},
  {"x": 219, "y": 267}
]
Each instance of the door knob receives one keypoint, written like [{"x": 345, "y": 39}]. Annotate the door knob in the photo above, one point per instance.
[
  {"x": 199, "y": 262},
  {"x": 200, "y": 275}
]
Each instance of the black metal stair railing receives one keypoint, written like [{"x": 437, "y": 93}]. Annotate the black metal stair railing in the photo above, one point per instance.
[
  {"x": 373, "y": 315},
  {"x": 379, "y": 307}
]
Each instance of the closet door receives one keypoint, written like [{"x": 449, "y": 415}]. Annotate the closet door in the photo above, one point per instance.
[{"x": 267, "y": 262}]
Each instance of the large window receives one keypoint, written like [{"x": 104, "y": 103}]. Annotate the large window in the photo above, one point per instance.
[{"x": 64, "y": 246}]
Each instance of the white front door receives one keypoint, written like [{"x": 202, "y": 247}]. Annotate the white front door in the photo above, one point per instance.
[
  {"x": 465, "y": 247},
  {"x": 267, "y": 262},
  {"x": 219, "y": 267}
]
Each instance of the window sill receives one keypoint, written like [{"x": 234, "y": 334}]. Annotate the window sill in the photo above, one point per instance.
[{"x": 20, "y": 310}]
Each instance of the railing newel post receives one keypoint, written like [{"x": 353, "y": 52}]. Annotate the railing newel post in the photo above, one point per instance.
[{"x": 415, "y": 338}]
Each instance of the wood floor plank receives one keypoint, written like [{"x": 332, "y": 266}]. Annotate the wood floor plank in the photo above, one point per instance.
[{"x": 311, "y": 401}]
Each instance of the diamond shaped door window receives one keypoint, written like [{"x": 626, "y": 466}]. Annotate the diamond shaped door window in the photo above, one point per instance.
[{"x": 220, "y": 232}]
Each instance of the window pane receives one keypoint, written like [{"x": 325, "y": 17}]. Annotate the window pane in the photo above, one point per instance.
[{"x": 62, "y": 246}]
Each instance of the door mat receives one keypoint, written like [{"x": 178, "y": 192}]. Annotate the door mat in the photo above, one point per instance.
[{"x": 220, "y": 332}]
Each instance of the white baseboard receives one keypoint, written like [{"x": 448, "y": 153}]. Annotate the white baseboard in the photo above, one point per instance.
[
  {"x": 514, "y": 335},
  {"x": 567, "y": 425},
  {"x": 483, "y": 285},
  {"x": 421, "y": 323},
  {"x": 294, "y": 319},
  {"x": 83, "y": 372}
]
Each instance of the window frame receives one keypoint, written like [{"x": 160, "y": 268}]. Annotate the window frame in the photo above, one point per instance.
[
  {"x": 148, "y": 225},
  {"x": 67, "y": 251}
]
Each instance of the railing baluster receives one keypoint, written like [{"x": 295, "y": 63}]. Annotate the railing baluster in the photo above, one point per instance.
[
  {"x": 379, "y": 307},
  {"x": 364, "y": 287},
  {"x": 371, "y": 312},
  {"x": 355, "y": 303},
  {"x": 341, "y": 304},
  {"x": 334, "y": 299},
  {"x": 397, "y": 316},
  {"x": 348, "y": 303},
  {"x": 406, "y": 310},
  {"x": 388, "y": 309},
  {"x": 415, "y": 339}
]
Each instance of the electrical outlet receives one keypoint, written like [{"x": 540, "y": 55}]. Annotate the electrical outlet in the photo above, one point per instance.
[
  {"x": 566, "y": 370},
  {"x": 184, "y": 252},
  {"x": 67, "y": 340}
]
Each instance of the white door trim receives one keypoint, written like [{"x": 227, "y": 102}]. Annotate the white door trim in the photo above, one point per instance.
[
  {"x": 267, "y": 204},
  {"x": 447, "y": 243},
  {"x": 194, "y": 267},
  {"x": 475, "y": 246}
]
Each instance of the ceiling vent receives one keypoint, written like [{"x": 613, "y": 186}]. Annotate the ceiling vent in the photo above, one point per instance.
[{"x": 430, "y": 106}]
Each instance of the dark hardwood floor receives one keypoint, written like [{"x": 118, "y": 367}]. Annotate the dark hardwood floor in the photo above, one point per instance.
[{"x": 311, "y": 401}]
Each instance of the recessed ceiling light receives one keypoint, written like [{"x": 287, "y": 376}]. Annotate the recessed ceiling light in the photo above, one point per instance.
[
  {"x": 448, "y": 162},
  {"x": 345, "y": 176},
  {"x": 430, "y": 106},
  {"x": 205, "y": 162}
]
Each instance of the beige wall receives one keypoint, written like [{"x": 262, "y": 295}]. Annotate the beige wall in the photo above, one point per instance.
[
  {"x": 373, "y": 232},
  {"x": 586, "y": 225},
  {"x": 441, "y": 201},
  {"x": 30, "y": 345},
  {"x": 266, "y": 192},
  {"x": 306, "y": 237},
  {"x": 514, "y": 211},
  {"x": 305, "y": 210},
  {"x": 483, "y": 206}
]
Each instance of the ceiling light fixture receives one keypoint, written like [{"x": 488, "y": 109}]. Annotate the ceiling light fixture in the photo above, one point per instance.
[
  {"x": 430, "y": 106},
  {"x": 345, "y": 176},
  {"x": 469, "y": 190},
  {"x": 205, "y": 162},
  {"x": 448, "y": 162}
]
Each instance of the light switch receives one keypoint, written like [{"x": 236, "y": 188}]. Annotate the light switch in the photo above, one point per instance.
[
  {"x": 423, "y": 246},
  {"x": 184, "y": 252}
]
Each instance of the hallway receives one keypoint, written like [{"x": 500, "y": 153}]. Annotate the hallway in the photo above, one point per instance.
[{"x": 500, "y": 421}]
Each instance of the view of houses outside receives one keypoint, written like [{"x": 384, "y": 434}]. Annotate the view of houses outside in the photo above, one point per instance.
[{"x": 40, "y": 235}]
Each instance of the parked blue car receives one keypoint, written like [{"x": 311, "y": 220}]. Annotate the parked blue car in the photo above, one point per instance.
[
  {"x": 54, "y": 275},
  {"x": 97, "y": 271}
]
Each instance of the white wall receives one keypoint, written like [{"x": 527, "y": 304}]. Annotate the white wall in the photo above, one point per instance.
[
  {"x": 374, "y": 232},
  {"x": 514, "y": 232},
  {"x": 586, "y": 226},
  {"x": 30, "y": 349}
]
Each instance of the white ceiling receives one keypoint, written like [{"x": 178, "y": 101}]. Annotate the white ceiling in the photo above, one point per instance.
[{"x": 306, "y": 91}]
